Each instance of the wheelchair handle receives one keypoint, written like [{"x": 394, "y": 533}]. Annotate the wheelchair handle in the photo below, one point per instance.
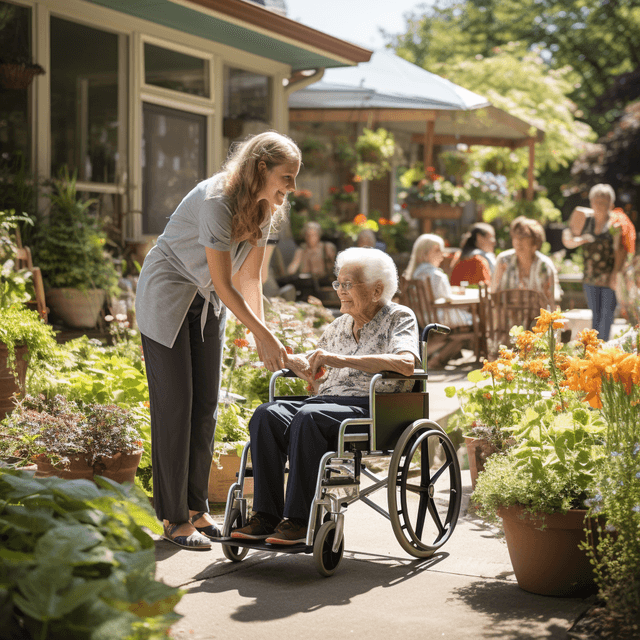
[{"x": 434, "y": 326}]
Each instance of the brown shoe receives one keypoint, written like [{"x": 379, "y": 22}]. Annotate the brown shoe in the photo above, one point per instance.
[
  {"x": 259, "y": 527},
  {"x": 289, "y": 531}
]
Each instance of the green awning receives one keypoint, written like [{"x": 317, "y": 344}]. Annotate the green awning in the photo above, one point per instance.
[{"x": 199, "y": 22}]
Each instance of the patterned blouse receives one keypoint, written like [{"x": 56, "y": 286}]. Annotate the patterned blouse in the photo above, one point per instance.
[
  {"x": 599, "y": 255},
  {"x": 394, "y": 329},
  {"x": 541, "y": 269}
]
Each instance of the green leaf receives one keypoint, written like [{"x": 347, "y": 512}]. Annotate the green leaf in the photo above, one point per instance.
[
  {"x": 476, "y": 376},
  {"x": 450, "y": 392}
]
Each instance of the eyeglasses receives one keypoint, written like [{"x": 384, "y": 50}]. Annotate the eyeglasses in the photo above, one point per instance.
[{"x": 345, "y": 285}]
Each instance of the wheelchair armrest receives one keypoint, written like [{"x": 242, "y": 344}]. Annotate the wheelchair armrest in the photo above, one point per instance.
[{"x": 418, "y": 374}]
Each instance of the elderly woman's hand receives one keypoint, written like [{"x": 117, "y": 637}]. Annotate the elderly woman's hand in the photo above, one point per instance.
[
  {"x": 318, "y": 360},
  {"x": 300, "y": 366}
]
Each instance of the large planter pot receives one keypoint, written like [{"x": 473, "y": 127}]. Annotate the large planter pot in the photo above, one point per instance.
[
  {"x": 121, "y": 467},
  {"x": 548, "y": 561},
  {"x": 77, "y": 309},
  {"x": 8, "y": 383},
  {"x": 428, "y": 212},
  {"x": 478, "y": 450},
  {"x": 223, "y": 476}
]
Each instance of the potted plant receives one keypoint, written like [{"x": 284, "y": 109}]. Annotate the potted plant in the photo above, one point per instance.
[
  {"x": 73, "y": 440},
  {"x": 344, "y": 200},
  {"x": 375, "y": 151},
  {"x": 70, "y": 251},
  {"x": 24, "y": 338},
  {"x": 315, "y": 154},
  {"x": 538, "y": 488}
]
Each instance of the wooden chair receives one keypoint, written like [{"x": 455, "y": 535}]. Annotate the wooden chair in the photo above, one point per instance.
[
  {"x": 23, "y": 261},
  {"x": 418, "y": 296},
  {"x": 509, "y": 308}
]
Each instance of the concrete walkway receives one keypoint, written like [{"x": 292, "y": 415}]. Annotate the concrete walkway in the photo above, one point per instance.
[{"x": 465, "y": 591}]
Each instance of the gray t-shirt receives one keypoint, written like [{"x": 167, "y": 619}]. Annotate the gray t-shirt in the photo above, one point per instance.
[
  {"x": 394, "y": 329},
  {"x": 176, "y": 269}
]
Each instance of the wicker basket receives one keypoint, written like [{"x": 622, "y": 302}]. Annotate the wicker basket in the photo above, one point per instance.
[{"x": 18, "y": 76}]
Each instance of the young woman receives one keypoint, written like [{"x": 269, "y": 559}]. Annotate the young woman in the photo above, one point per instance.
[{"x": 209, "y": 258}]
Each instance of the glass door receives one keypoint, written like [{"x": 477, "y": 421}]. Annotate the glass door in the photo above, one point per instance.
[{"x": 174, "y": 160}]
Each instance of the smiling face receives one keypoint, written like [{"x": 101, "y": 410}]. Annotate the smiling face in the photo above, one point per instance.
[
  {"x": 523, "y": 243},
  {"x": 278, "y": 181},
  {"x": 361, "y": 301}
]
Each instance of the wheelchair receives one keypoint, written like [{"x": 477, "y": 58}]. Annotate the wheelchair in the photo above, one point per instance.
[{"x": 423, "y": 503}]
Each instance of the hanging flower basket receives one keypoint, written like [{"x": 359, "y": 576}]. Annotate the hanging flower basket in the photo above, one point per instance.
[{"x": 14, "y": 75}]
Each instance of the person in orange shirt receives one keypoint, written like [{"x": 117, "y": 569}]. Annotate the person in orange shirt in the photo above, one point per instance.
[{"x": 477, "y": 259}]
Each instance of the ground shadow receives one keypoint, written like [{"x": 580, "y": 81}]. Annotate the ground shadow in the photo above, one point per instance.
[
  {"x": 294, "y": 584},
  {"x": 518, "y": 614}
]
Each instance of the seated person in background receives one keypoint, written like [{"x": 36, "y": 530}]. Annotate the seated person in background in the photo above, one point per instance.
[
  {"x": 367, "y": 238},
  {"x": 477, "y": 260},
  {"x": 426, "y": 256},
  {"x": 373, "y": 335},
  {"x": 524, "y": 267},
  {"x": 313, "y": 257}
]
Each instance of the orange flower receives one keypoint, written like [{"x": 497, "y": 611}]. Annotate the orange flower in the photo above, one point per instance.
[
  {"x": 288, "y": 349},
  {"x": 547, "y": 318},
  {"x": 241, "y": 342},
  {"x": 357, "y": 178},
  {"x": 360, "y": 219},
  {"x": 321, "y": 371},
  {"x": 384, "y": 221}
]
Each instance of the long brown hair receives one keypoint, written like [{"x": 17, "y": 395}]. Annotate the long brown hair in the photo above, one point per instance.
[{"x": 244, "y": 181}]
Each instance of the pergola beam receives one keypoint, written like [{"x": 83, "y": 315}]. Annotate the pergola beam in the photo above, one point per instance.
[{"x": 361, "y": 115}]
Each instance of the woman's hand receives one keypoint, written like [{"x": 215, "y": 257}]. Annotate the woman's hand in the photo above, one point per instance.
[
  {"x": 300, "y": 366},
  {"x": 272, "y": 353},
  {"x": 317, "y": 361}
]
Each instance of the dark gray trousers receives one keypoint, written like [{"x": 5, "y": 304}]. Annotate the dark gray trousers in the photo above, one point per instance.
[
  {"x": 183, "y": 390},
  {"x": 303, "y": 430}
]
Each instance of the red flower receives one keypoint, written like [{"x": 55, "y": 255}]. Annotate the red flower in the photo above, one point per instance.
[
  {"x": 333, "y": 189},
  {"x": 288, "y": 349},
  {"x": 348, "y": 188},
  {"x": 404, "y": 205}
]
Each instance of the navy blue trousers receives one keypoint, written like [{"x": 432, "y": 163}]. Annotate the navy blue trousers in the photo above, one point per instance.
[
  {"x": 602, "y": 302},
  {"x": 303, "y": 431}
]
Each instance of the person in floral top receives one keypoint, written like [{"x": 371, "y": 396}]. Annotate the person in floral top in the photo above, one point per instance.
[
  {"x": 373, "y": 335},
  {"x": 598, "y": 232},
  {"x": 524, "y": 267}
]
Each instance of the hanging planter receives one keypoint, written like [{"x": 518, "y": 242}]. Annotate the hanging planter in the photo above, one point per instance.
[{"x": 14, "y": 75}]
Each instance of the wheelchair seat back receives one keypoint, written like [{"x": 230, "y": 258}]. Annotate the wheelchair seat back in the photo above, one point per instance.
[{"x": 394, "y": 412}]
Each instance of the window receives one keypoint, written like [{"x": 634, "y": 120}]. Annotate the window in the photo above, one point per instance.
[
  {"x": 15, "y": 41},
  {"x": 176, "y": 71},
  {"x": 247, "y": 104},
  {"x": 87, "y": 112},
  {"x": 173, "y": 162}
]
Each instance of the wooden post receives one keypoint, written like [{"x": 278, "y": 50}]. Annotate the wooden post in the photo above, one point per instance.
[
  {"x": 427, "y": 155},
  {"x": 532, "y": 157}
]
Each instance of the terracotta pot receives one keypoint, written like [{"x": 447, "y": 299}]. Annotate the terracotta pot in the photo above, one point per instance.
[
  {"x": 221, "y": 479},
  {"x": 79, "y": 468},
  {"x": 548, "y": 562},
  {"x": 77, "y": 309},
  {"x": 478, "y": 450},
  {"x": 121, "y": 467},
  {"x": 8, "y": 384}
]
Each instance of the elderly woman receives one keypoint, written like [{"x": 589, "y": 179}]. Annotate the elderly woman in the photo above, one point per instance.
[
  {"x": 477, "y": 260},
  {"x": 427, "y": 255},
  {"x": 599, "y": 233},
  {"x": 314, "y": 256},
  {"x": 373, "y": 335},
  {"x": 524, "y": 267}
]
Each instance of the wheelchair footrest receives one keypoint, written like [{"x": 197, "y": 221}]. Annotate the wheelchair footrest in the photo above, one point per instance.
[
  {"x": 340, "y": 482},
  {"x": 261, "y": 545}
]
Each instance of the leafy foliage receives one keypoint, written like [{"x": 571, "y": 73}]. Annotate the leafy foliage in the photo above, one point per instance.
[
  {"x": 77, "y": 563},
  {"x": 15, "y": 284},
  {"x": 70, "y": 246}
]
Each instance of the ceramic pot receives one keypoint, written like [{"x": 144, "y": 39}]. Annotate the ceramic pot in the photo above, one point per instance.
[
  {"x": 8, "y": 383},
  {"x": 548, "y": 561},
  {"x": 77, "y": 309},
  {"x": 478, "y": 450},
  {"x": 121, "y": 467}
]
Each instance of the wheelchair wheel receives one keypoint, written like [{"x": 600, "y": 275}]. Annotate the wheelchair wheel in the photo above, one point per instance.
[
  {"x": 327, "y": 562},
  {"x": 424, "y": 503},
  {"x": 235, "y": 554}
]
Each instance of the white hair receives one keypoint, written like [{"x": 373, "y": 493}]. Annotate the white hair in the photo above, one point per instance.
[
  {"x": 603, "y": 189},
  {"x": 375, "y": 265}
]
